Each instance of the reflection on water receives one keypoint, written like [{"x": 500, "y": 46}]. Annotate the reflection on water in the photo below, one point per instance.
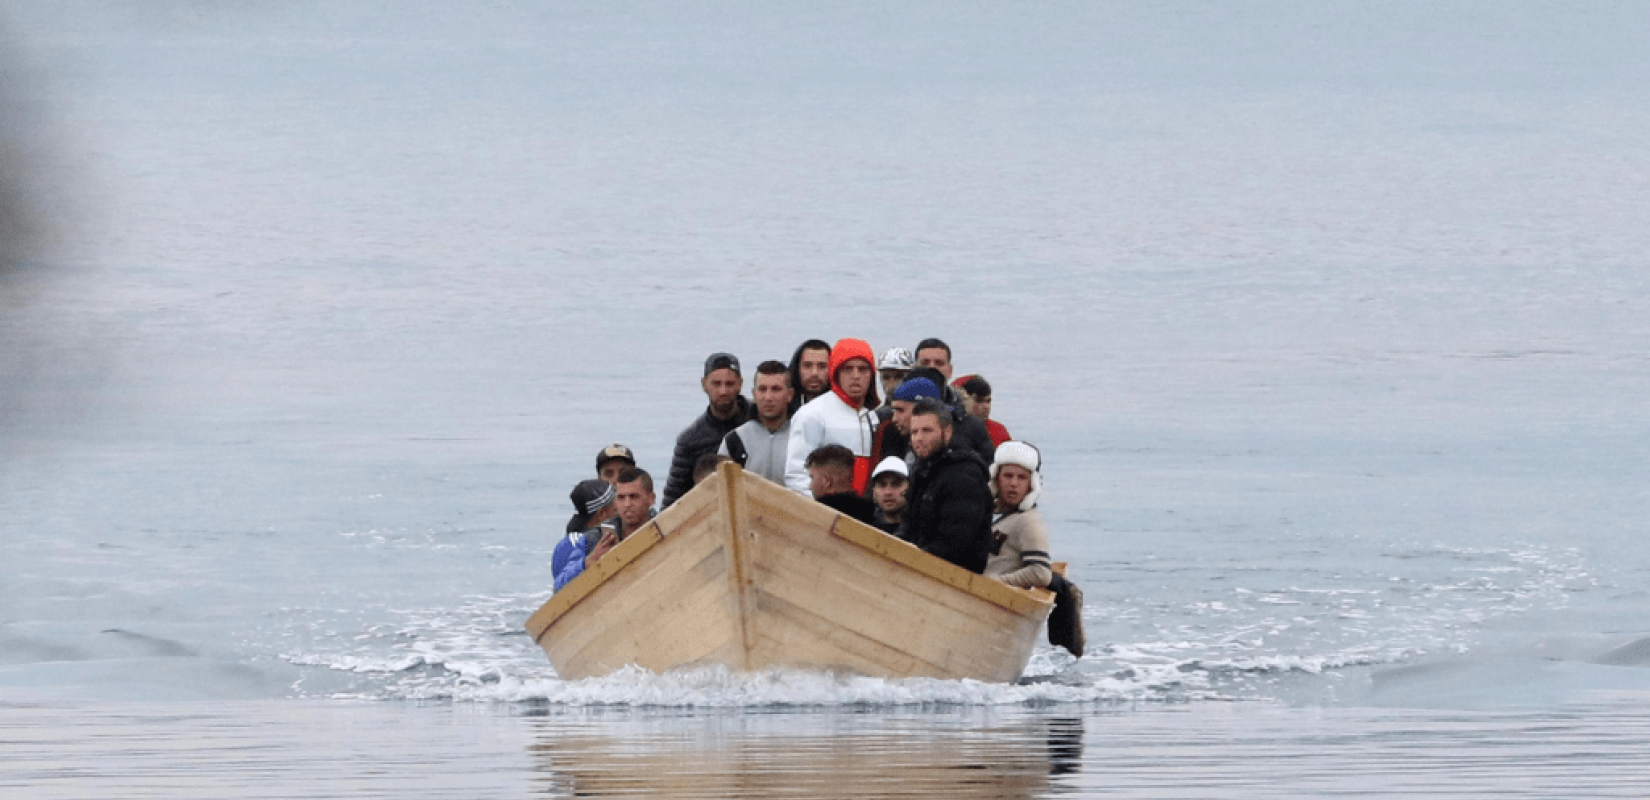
[
  {"x": 284, "y": 749},
  {"x": 1065, "y": 745},
  {"x": 763, "y": 756}
]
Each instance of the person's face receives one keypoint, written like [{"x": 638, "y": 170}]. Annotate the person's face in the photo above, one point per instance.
[
  {"x": 815, "y": 370},
  {"x": 889, "y": 493},
  {"x": 632, "y": 502},
  {"x": 927, "y": 437},
  {"x": 611, "y": 468},
  {"x": 891, "y": 379},
  {"x": 606, "y": 513},
  {"x": 936, "y": 358},
  {"x": 854, "y": 377},
  {"x": 722, "y": 386},
  {"x": 1013, "y": 484},
  {"x": 902, "y": 415},
  {"x": 977, "y": 405},
  {"x": 773, "y": 394}
]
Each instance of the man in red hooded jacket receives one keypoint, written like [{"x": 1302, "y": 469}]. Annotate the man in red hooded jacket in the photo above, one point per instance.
[{"x": 844, "y": 415}]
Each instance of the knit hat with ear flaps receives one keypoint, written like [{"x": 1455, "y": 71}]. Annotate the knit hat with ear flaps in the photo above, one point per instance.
[{"x": 1020, "y": 454}]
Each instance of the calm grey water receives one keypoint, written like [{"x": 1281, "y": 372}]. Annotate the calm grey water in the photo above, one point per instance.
[
  {"x": 1331, "y": 323},
  {"x": 305, "y": 749}
]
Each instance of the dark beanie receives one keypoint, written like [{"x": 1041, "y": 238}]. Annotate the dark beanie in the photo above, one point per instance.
[{"x": 916, "y": 388}]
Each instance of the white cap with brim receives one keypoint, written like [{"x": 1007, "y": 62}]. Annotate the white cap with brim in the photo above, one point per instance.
[{"x": 892, "y": 464}]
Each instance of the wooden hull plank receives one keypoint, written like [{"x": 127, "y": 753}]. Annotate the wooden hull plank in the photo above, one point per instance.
[
  {"x": 864, "y": 595},
  {"x": 752, "y": 576}
]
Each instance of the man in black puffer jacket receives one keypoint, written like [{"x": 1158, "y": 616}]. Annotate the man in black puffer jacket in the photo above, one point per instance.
[
  {"x": 728, "y": 410},
  {"x": 949, "y": 502}
]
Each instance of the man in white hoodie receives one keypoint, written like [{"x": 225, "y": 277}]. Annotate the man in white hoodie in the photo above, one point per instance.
[{"x": 843, "y": 415}]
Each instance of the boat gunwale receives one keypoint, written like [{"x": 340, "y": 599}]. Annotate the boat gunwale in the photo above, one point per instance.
[
  {"x": 621, "y": 556},
  {"x": 1025, "y": 602},
  {"x": 729, "y": 478}
]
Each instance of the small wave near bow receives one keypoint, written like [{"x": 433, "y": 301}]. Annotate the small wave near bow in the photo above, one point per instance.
[{"x": 1251, "y": 643}]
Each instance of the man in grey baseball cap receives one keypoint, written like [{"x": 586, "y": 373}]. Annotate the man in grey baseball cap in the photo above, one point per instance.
[{"x": 728, "y": 409}]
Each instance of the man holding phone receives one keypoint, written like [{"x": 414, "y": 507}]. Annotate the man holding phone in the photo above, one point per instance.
[{"x": 632, "y": 507}]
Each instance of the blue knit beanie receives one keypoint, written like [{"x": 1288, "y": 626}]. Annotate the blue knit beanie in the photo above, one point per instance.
[{"x": 916, "y": 389}]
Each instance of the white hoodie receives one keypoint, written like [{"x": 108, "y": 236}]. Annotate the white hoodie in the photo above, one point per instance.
[{"x": 826, "y": 419}]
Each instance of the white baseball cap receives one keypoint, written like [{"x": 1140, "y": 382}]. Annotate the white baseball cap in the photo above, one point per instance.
[{"x": 892, "y": 464}]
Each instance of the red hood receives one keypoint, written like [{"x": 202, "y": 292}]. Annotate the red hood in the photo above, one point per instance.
[{"x": 847, "y": 350}]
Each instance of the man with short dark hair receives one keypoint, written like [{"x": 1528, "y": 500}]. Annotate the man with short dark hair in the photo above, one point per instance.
[
  {"x": 976, "y": 397},
  {"x": 706, "y": 466},
  {"x": 759, "y": 445},
  {"x": 612, "y": 459},
  {"x": 889, "y": 481},
  {"x": 831, "y": 473},
  {"x": 728, "y": 410},
  {"x": 935, "y": 354},
  {"x": 949, "y": 501},
  {"x": 810, "y": 372},
  {"x": 892, "y": 437},
  {"x": 844, "y": 415},
  {"x": 629, "y": 509},
  {"x": 633, "y": 497}
]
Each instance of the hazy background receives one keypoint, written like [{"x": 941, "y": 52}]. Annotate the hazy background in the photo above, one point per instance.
[{"x": 1330, "y": 322}]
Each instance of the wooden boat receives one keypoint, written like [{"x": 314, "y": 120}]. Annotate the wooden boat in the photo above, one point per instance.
[{"x": 745, "y": 573}]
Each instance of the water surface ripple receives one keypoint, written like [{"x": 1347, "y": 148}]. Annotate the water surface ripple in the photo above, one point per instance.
[{"x": 399, "y": 750}]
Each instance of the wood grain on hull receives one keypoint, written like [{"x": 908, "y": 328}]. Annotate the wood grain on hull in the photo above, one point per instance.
[{"x": 745, "y": 573}]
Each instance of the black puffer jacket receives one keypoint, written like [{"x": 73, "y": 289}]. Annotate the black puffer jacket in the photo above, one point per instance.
[
  {"x": 949, "y": 514},
  {"x": 703, "y": 436},
  {"x": 968, "y": 432}
]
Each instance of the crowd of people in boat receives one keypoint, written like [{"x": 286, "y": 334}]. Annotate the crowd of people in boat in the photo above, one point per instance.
[{"x": 929, "y": 465}]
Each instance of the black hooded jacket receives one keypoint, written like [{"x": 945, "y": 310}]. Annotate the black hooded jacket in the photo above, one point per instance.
[
  {"x": 949, "y": 510},
  {"x": 970, "y": 433}
]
